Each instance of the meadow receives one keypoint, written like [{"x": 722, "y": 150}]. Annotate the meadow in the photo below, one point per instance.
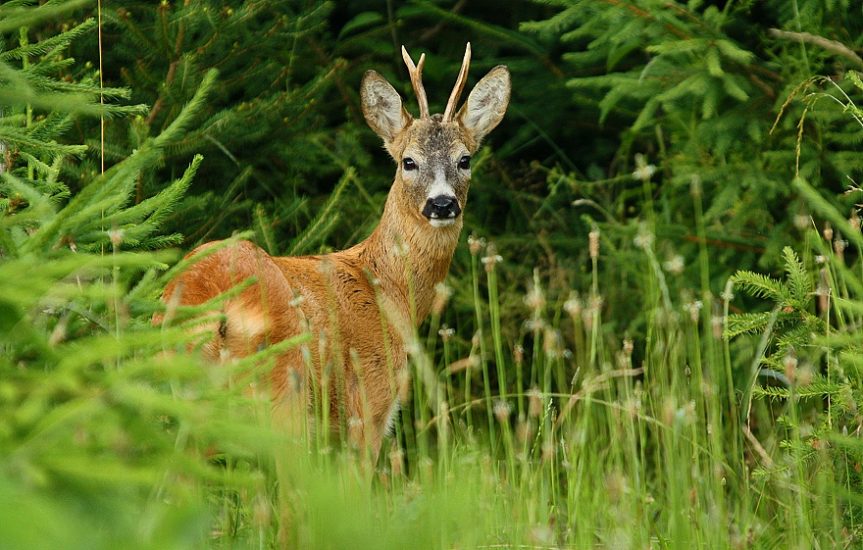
[{"x": 651, "y": 334}]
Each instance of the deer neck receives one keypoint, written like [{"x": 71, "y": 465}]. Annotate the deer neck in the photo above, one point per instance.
[{"x": 409, "y": 256}]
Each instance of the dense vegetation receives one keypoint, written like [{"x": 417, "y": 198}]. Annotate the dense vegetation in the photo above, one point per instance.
[{"x": 653, "y": 328}]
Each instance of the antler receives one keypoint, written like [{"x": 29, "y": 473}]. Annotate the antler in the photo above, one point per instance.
[
  {"x": 416, "y": 72},
  {"x": 459, "y": 86}
]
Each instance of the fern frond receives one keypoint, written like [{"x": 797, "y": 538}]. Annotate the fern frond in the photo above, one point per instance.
[
  {"x": 818, "y": 388},
  {"x": 799, "y": 282},
  {"x": 761, "y": 286},
  {"x": 745, "y": 323}
]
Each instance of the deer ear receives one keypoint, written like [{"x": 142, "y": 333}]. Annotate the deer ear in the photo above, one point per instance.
[
  {"x": 486, "y": 104},
  {"x": 382, "y": 107}
]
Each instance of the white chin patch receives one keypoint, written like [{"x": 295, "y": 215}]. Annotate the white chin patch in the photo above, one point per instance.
[{"x": 438, "y": 222}]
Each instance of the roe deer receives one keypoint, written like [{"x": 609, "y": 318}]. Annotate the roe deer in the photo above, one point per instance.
[{"x": 339, "y": 297}]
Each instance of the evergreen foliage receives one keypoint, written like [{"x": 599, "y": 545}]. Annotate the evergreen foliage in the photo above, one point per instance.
[
  {"x": 589, "y": 379},
  {"x": 261, "y": 130},
  {"x": 94, "y": 439},
  {"x": 696, "y": 88}
]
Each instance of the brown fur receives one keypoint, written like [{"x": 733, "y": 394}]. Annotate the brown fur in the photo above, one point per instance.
[{"x": 339, "y": 297}]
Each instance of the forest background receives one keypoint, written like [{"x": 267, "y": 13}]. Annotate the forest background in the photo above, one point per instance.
[{"x": 652, "y": 326}]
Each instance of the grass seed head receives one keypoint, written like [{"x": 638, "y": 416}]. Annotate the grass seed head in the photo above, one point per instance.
[
  {"x": 535, "y": 299},
  {"x": 854, "y": 220},
  {"x": 827, "y": 232},
  {"x": 805, "y": 375},
  {"x": 717, "y": 324},
  {"x": 628, "y": 346},
  {"x": 790, "y": 366},
  {"x": 823, "y": 290},
  {"x": 534, "y": 325},
  {"x": 442, "y": 294},
  {"x": 325, "y": 267},
  {"x": 534, "y": 402},
  {"x": 839, "y": 246},
  {"x": 116, "y": 236},
  {"x": 694, "y": 309},
  {"x": 643, "y": 170},
  {"x": 491, "y": 258},
  {"x": 573, "y": 305},
  {"x": 502, "y": 410},
  {"x": 727, "y": 294},
  {"x": 551, "y": 343},
  {"x": 475, "y": 244},
  {"x": 401, "y": 249},
  {"x": 695, "y": 187},
  {"x": 801, "y": 221},
  {"x": 644, "y": 239},
  {"x": 297, "y": 300},
  {"x": 674, "y": 265},
  {"x": 593, "y": 243}
]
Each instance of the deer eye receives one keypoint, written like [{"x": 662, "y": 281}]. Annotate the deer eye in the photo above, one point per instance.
[
  {"x": 409, "y": 164},
  {"x": 464, "y": 162}
]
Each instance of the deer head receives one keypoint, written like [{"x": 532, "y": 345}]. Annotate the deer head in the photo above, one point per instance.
[{"x": 433, "y": 152}]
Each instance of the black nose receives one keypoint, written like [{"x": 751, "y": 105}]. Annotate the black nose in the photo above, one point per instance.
[{"x": 441, "y": 207}]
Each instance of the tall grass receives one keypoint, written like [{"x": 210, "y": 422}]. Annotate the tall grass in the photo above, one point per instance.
[
  {"x": 618, "y": 443},
  {"x": 551, "y": 430},
  {"x": 530, "y": 420}
]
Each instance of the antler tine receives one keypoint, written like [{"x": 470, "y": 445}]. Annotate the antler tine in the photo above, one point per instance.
[
  {"x": 459, "y": 86},
  {"x": 416, "y": 72}
]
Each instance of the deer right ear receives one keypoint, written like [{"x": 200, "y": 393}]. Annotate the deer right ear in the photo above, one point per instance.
[
  {"x": 382, "y": 107},
  {"x": 487, "y": 103}
]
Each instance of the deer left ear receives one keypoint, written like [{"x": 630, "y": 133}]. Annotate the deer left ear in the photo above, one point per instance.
[
  {"x": 486, "y": 104},
  {"x": 382, "y": 107}
]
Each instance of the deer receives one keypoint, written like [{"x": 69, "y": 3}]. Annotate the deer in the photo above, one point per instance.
[{"x": 356, "y": 302}]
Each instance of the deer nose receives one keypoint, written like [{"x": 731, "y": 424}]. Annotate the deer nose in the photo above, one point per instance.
[{"x": 442, "y": 207}]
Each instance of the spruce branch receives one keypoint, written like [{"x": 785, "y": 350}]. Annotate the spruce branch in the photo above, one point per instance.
[
  {"x": 799, "y": 282},
  {"x": 761, "y": 286},
  {"x": 189, "y": 112},
  {"x": 48, "y": 45},
  {"x": 14, "y": 18},
  {"x": 746, "y": 323}
]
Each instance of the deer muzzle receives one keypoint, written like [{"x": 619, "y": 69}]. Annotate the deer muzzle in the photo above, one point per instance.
[{"x": 441, "y": 209}]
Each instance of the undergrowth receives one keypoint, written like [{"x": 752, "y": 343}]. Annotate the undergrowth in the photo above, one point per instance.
[{"x": 615, "y": 371}]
